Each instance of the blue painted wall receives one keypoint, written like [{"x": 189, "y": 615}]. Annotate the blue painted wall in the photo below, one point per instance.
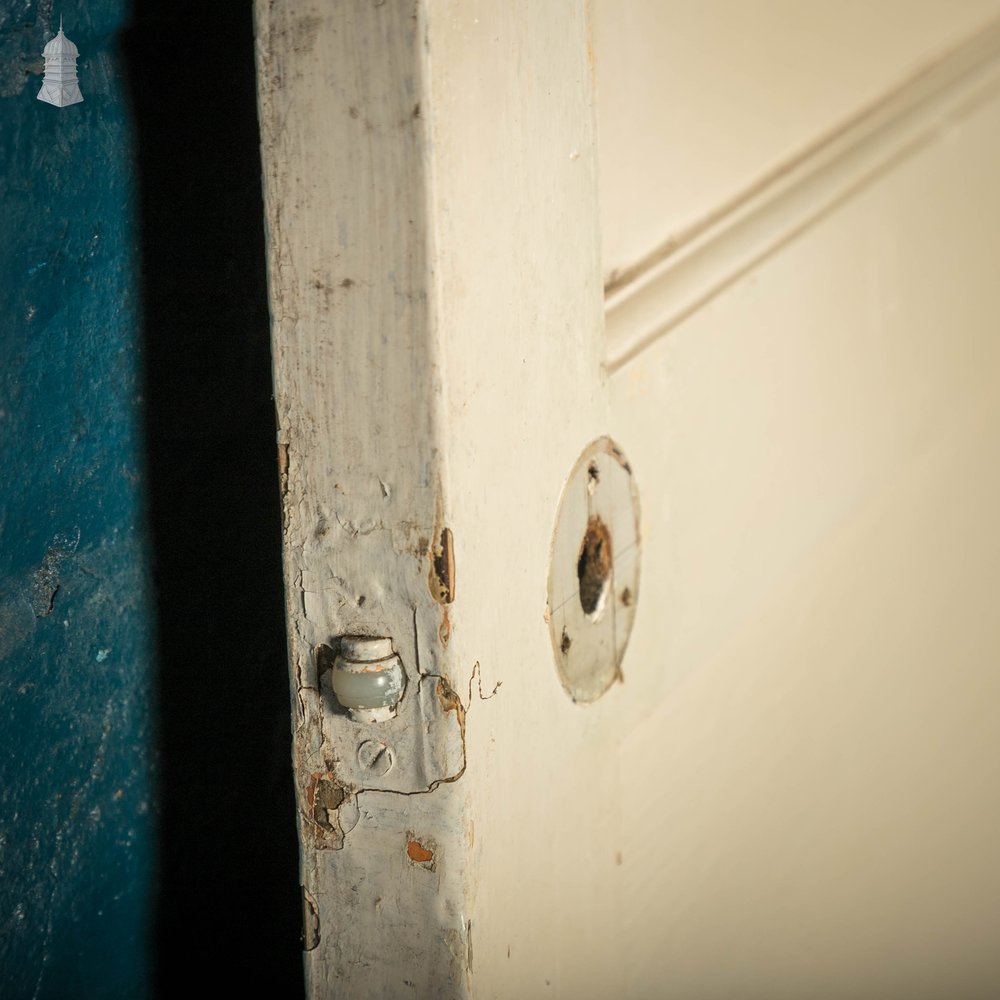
[
  {"x": 76, "y": 626},
  {"x": 146, "y": 797}
]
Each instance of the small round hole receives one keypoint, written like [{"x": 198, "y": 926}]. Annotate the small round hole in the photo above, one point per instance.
[{"x": 593, "y": 568}]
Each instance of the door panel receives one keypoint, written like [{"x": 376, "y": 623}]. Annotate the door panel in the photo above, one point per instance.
[{"x": 822, "y": 809}]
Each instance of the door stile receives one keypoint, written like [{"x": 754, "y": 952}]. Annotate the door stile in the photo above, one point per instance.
[
  {"x": 345, "y": 163},
  {"x": 434, "y": 277}
]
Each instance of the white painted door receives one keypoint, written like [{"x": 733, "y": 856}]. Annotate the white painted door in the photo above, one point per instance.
[{"x": 786, "y": 786}]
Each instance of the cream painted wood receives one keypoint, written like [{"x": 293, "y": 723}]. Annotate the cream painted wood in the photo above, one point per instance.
[
  {"x": 703, "y": 101},
  {"x": 818, "y": 634},
  {"x": 791, "y": 791}
]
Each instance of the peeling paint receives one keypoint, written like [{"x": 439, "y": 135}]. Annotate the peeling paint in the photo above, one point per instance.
[
  {"x": 283, "y": 466},
  {"x": 324, "y": 797},
  {"x": 444, "y": 629},
  {"x": 450, "y": 701},
  {"x": 310, "y": 921},
  {"x": 45, "y": 584}
]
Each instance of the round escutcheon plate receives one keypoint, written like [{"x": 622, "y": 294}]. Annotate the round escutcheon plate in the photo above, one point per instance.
[{"x": 594, "y": 571}]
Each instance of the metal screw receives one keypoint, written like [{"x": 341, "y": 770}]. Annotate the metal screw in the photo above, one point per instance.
[{"x": 375, "y": 757}]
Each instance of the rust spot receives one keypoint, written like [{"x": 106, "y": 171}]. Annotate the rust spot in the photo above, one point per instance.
[
  {"x": 441, "y": 579},
  {"x": 616, "y": 453},
  {"x": 417, "y": 853},
  {"x": 444, "y": 629},
  {"x": 311, "y": 789},
  {"x": 565, "y": 643}
]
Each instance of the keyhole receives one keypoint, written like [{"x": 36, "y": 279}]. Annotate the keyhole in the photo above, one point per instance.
[{"x": 593, "y": 568}]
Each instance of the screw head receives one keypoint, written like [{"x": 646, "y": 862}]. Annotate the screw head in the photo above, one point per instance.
[{"x": 375, "y": 757}]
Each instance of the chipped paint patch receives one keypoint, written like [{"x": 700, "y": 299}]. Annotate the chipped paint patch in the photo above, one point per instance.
[
  {"x": 324, "y": 796},
  {"x": 310, "y": 921},
  {"x": 283, "y": 468},
  {"x": 45, "y": 584},
  {"x": 450, "y": 700}
]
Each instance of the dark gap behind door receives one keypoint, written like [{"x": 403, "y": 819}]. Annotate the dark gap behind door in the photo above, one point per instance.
[{"x": 228, "y": 861}]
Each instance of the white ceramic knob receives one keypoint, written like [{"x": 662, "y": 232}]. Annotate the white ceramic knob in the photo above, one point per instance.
[{"x": 368, "y": 678}]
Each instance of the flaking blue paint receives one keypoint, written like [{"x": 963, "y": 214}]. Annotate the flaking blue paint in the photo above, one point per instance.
[{"x": 76, "y": 628}]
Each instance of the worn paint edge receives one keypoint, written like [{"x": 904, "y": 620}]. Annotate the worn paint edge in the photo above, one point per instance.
[{"x": 340, "y": 960}]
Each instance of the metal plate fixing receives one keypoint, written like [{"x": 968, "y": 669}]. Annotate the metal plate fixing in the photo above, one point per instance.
[{"x": 594, "y": 571}]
